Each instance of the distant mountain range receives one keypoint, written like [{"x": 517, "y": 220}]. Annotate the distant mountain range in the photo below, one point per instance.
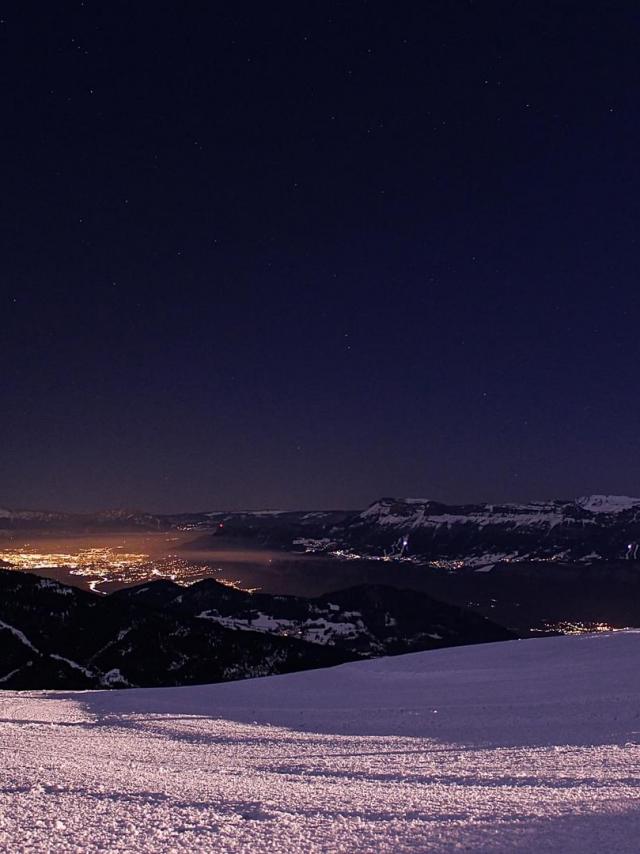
[
  {"x": 272, "y": 524},
  {"x": 595, "y": 527},
  {"x": 54, "y": 636},
  {"x": 115, "y": 520}
]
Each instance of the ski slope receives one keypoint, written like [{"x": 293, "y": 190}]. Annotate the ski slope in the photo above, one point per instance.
[{"x": 526, "y": 746}]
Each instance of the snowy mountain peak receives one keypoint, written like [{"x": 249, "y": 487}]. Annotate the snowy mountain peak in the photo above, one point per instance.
[{"x": 607, "y": 503}]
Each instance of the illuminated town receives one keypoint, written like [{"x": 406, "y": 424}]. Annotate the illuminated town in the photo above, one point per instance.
[
  {"x": 567, "y": 627},
  {"x": 111, "y": 567}
]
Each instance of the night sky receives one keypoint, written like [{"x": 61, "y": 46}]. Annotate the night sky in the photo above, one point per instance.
[{"x": 308, "y": 254}]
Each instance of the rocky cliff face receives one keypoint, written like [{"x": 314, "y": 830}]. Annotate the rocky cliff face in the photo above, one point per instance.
[{"x": 593, "y": 527}]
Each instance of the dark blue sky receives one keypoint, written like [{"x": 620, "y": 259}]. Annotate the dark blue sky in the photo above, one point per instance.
[{"x": 308, "y": 254}]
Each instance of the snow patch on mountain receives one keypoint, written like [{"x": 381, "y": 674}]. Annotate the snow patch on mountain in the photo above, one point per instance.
[
  {"x": 316, "y": 630},
  {"x": 73, "y": 664},
  {"x": 60, "y": 589},
  {"x": 412, "y": 513},
  {"x": 10, "y": 674},
  {"x": 607, "y": 503},
  {"x": 19, "y": 635},
  {"x": 114, "y": 679}
]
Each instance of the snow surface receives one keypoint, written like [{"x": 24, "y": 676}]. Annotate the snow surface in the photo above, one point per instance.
[{"x": 527, "y": 746}]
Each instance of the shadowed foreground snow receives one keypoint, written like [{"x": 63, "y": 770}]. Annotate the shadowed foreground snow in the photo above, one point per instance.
[{"x": 525, "y": 746}]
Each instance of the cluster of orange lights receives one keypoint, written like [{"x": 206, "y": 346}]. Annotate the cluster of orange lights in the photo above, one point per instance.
[{"x": 113, "y": 566}]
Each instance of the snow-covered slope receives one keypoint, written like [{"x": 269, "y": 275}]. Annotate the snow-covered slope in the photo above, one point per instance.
[{"x": 524, "y": 746}]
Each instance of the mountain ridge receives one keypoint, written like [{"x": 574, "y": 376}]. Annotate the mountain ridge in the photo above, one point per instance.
[{"x": 163, "y": 634}]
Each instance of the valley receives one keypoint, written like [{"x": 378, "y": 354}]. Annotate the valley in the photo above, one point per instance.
[
  {"x": 537, "y": 568},
  {"x": 103, "y": 563}
]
